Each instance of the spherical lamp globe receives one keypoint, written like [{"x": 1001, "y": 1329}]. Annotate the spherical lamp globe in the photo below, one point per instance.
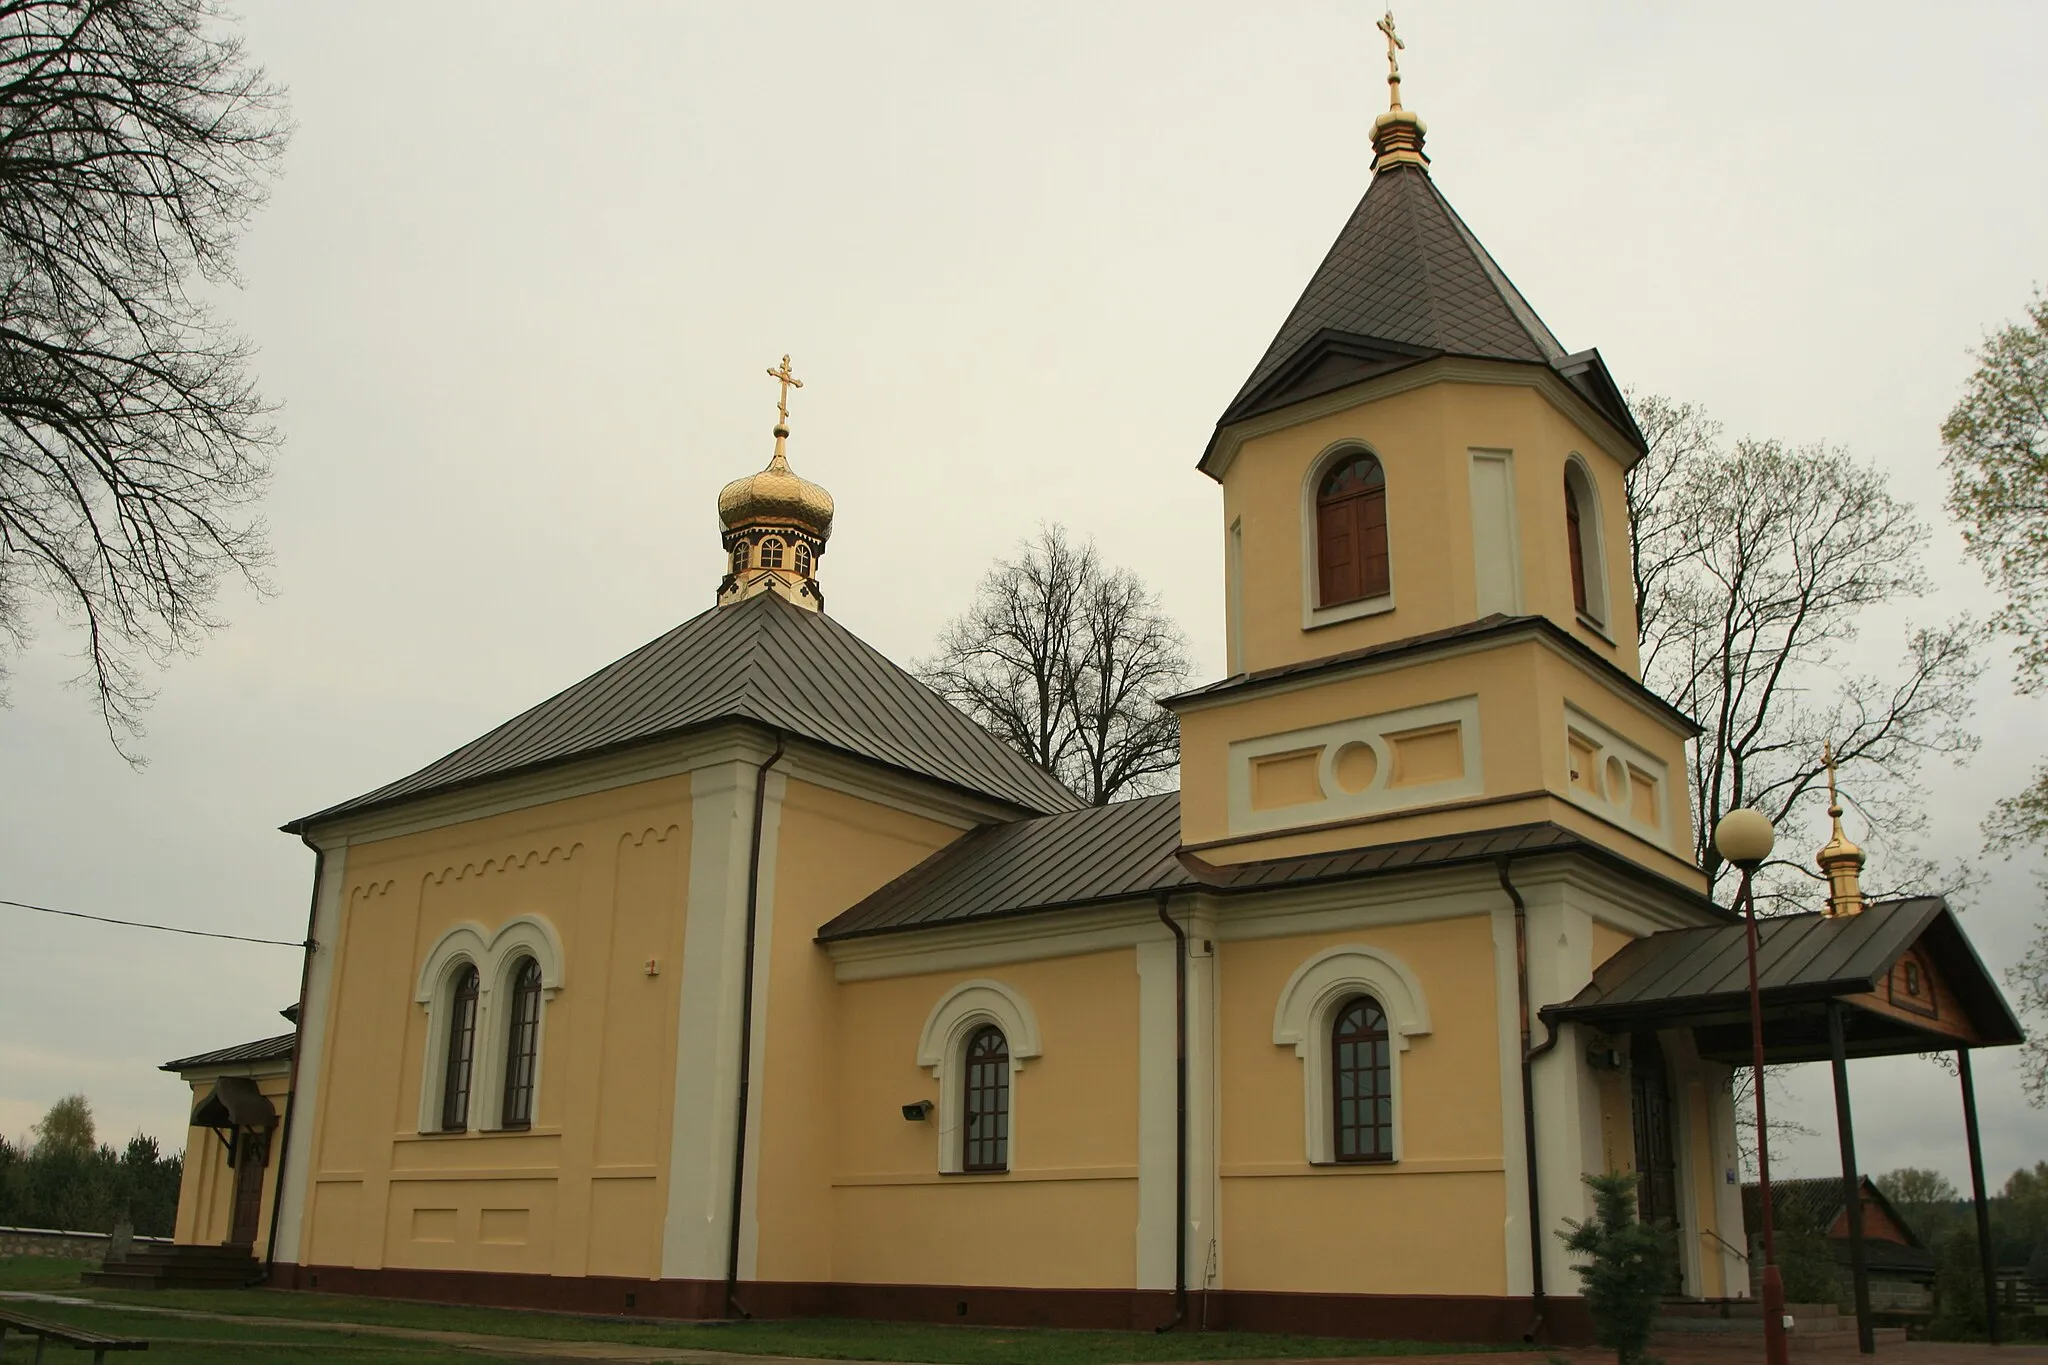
[{"x": 1744, "y": 837}]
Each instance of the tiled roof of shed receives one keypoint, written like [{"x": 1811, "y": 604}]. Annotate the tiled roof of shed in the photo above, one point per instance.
[
  {"x": 1132, "y": 848},
  {"x": 262, "y": 1050},
  {"x": 759, "y": 660}
]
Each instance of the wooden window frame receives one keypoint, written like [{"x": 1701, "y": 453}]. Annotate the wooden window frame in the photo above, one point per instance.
[
  {"x": 522, "y": 1046},
  {"x": 1367, "y": 574},
  {"x": 1378, "y": 1132},
  {"x": 459, "y": 1059},
  {"x": 985, "y": 1096}
]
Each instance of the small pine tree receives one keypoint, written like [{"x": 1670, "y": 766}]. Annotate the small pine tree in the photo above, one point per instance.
[{"x": 1628, "y": 1266}]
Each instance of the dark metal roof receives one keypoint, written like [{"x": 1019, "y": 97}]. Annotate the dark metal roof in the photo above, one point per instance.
[
  {"x": 1132, "y": 848},
  {"x": 1407, "y": 280},
  {"x": 759, "y": 660},
  {"x": 1079, "y": 857},
  {"x": 262, "y": 1050},
  {"x": 1485, "y": 627},
  {"x": 1696, "y": 975}
]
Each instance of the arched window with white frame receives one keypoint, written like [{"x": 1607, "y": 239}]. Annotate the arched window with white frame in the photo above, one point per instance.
[
  {"x": 522, "y": 1045},
  {"x": 459, "y": 1061},
  {"x": 975, "y": 1042},
  {"x": 1350, "y": 1013},
  {"x": 1585, "y": 556}
]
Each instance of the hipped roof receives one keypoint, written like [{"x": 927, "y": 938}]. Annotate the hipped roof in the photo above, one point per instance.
[
  {"x": 761, "y": 660},
  {"x": 1407, "y": 281}
]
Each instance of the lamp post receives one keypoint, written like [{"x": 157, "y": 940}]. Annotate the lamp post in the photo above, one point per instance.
[{"x": 1744, "y": 837}]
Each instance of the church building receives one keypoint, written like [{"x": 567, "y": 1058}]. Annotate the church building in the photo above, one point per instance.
[{"x": 747, "y": 977}]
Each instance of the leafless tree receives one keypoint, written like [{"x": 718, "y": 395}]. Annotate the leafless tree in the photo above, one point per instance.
[
  {"x": 1757, "y": 563},
  {"x": 1065, "y": 660},
  {"x": 135, "y": 140}
]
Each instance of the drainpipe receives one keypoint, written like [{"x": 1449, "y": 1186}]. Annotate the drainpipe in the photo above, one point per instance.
[
  {"x": 291, "y": 1087},
  {"x": 739, "y": 1143},
  {"x": 1180, "y": 1119},
  {"x": 1529, "y": 1055}
]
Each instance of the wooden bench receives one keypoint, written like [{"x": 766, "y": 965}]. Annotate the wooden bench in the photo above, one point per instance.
[{"x": 46, "y": 1332}]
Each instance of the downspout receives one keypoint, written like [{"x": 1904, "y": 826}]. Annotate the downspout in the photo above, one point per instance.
[
  {"x": 291, "y": 1087},
  {"x": 1529, "y": 1055},
  {"x": 1180, "y": 1119},
  {"x": 739, "y": 1143}
]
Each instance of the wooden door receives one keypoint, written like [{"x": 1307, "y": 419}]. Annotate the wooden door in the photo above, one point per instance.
[
  {"x": 1656, "y": 1152},
  {"x": 252, "y": 1148}
]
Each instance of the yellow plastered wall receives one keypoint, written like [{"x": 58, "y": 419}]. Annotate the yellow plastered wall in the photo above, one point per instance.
[
  {"x": 1425, "y": 438},
  {"x": 832, "y": 850},
  {"x": 1065, "y": 1215},
  {"x": 1291, "y": 1226},
  {"x": 206, "y": 1189},
  {"x": 1526, "y": 692},
  {"x": 610, "y": 871}
]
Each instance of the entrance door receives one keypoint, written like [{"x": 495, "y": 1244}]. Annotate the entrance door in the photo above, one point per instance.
[
  {"x": 251, "y": 1151},
  {"x": 1656, "y": 1154}
]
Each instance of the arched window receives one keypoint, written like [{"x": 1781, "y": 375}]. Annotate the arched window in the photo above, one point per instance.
[
  {"x": 986, "y": 1141},
  {"x": 771, "y": 553},
  {"x": 1575, "y": 531},
  {"x": 803, "y": 560},
  {"x": 1582, "y": 542},
  {"x": 1362, "y": 1099},
  {"x": 1351, "y": 532},
  {"x": 739, "y": 557},
  {"x": 461, "y": 1054},
  {"x": 522, "y": 1045}
]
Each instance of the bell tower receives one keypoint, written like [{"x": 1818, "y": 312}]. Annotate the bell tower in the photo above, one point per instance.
[{"x": 1430, "y": 616}]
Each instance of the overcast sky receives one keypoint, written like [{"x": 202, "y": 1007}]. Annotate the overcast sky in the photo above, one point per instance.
[{"x": 518, "y": 284}]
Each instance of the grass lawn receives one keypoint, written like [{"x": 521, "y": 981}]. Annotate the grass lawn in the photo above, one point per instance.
[
  {"x": 831, "y": 1339},
  {"x": 41, "y": 1272}
]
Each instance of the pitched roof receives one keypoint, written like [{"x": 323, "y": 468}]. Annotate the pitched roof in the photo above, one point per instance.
[
  {"x": 1406, "y": 281},
  {"x": 760, "y": 660},
  {"x": 1801, "y": 960},
  {"x": 1132, "y": 848},
  {"x": 1813, "y": 1204},
  {"x": 262, "y": 1050}
]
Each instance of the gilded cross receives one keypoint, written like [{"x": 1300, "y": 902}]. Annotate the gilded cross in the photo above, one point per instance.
[
  {"x": 1394, "y": 48},
  {"x": 788, "y": 381}
]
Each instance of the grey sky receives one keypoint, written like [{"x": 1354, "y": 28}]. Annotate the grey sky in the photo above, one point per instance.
[{"x": 527, "y": 263}]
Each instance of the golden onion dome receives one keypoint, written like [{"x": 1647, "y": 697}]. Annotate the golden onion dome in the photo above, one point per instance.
[{"x": 776, "y": 496}]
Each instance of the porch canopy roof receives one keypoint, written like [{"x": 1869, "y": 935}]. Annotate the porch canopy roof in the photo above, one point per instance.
[{"x": 1905, "y": 973}]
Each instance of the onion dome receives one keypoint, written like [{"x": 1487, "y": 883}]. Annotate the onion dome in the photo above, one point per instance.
[
  {"x": 777, "y": 496},
  {"x": 775, "y": 523},
  {"x": 1841, "y": 862}
]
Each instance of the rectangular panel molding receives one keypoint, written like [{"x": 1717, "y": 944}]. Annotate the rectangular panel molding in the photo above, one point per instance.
[{"x": 1374, "y": 764}]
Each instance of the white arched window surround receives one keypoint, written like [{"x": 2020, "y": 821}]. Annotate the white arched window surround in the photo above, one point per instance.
[
  {"x": 1312, "y": 613},
  {"x": 1592, "y": 555},
  {"x": 943, "y": 1045},
  {"x": 495, "y": 956},
  {"x": 1308, "y": 1008}
]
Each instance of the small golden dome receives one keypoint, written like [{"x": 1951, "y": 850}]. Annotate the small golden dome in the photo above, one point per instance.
[{"x": 777, "y": 496}]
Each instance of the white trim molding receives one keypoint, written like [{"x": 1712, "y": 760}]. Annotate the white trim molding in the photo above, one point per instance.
[
  {"x": 1307, "y": 1006},
  {"x": 493, "y": 957},
  {"x": 942, "y": 1044},
  {"x": 1361, "y": 766}
]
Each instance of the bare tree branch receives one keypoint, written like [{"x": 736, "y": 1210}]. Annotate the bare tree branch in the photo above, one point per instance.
[
  {"x": 1757, "y": 563},
  {"x": 135, "y": 141},
  {"x": 1066, "y": 662}
]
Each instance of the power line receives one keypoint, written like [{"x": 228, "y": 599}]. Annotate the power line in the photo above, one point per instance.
[{"x": 160, "y": 928}]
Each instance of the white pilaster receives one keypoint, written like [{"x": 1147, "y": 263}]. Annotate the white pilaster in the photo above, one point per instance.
[
  {"x": 311, "y": 1052},
  {"x": 1158, "y": 1174},
  {"x": 695, "y": 1228},
  {"x": 757, "y": 1059},
  {"x": 1560, "y": 941},
  {"x": 1514, "y": 1149}
]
